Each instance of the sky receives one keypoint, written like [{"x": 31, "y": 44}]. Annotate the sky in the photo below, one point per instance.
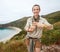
[{"x": 11, "y": 10}]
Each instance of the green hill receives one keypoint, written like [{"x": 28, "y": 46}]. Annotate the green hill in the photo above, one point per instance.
[
  {"x": 16, "y": 44},
  {"x": 52, "y": 18},
  {"x": 18, "y": 23}
]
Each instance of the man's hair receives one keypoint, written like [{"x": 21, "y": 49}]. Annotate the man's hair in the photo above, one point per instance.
[{"x": 36, "y": 5}]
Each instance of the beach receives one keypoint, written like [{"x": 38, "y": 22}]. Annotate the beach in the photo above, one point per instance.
[{"x": 18, "y": 30}]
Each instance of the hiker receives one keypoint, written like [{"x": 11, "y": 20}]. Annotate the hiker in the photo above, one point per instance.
[{"x": 34, "y": 28}]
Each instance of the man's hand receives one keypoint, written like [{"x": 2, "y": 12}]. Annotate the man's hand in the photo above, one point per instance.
[
  {"x": 49, "y": 27},
  {"x": 34, "y": 23},
  {"x": 39, "y": 25},
  {"x": 31, "y": 29}
]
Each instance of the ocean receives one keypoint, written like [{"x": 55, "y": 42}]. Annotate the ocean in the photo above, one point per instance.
[{"x": 7, "y": 33}]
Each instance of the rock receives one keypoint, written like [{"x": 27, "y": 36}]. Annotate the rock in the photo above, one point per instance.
[{"x": 52, "y": 48}]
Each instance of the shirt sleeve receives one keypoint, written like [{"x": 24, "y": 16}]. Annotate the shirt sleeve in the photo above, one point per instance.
[
  {"x": 47, "y": 23},
  {"x": 27, "y": 24}
]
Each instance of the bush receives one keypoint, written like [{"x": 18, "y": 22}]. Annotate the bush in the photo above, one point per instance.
[{"x": 51, "y": 36}]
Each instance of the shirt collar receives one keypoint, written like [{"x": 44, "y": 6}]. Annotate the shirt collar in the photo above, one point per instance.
[{"x": 38, "y": 18}]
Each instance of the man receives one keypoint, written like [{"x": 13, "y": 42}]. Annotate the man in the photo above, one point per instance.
[{"x": 34, "y": 27}]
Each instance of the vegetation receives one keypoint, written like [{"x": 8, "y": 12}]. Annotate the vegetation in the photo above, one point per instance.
[{"x": 16, "y": 44}]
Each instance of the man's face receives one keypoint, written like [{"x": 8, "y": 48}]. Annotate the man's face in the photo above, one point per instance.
[{"x": 35, "y": 10}]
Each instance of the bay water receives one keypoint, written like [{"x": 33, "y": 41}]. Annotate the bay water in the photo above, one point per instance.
[{"x": 7, "y": 33}]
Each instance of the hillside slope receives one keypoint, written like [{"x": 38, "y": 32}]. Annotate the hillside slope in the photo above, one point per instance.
[
  {"x": 52, "y": 18},
  {"x": 49, "y": 37}
]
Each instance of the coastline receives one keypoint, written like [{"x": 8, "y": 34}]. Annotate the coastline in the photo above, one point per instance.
[{"x": 18, "y": 30}]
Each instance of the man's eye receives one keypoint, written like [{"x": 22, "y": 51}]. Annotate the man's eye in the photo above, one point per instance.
[
  {"x": 37, "y": 9},
  {"x": 34, "y": 9}
]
